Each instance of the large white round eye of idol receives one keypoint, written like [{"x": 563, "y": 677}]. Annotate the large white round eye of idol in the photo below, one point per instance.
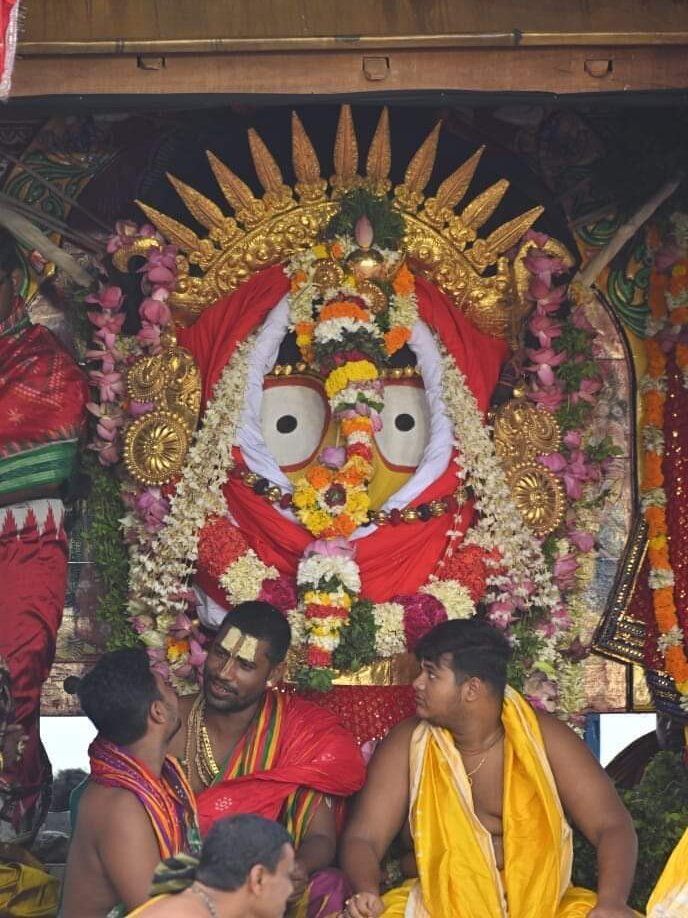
[
  {"x": 294, "y": 415},
  {"x": 405, "y": 425}
]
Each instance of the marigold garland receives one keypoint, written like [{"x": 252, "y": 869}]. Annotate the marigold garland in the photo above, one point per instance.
[{"x": 667, "y": 296}]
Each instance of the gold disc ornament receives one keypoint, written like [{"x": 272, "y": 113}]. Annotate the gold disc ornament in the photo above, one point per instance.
[
  {"x": 539, "y": 496},
  {"x": 155, "y": 447}
]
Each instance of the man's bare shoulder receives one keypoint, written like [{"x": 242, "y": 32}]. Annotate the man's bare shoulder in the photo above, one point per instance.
[
  {"x": 402, "y": 732},
  {"x": 110, "y": 806},
  {"x": 395, "y": 745},
  {"x": 556, "y": 732}
]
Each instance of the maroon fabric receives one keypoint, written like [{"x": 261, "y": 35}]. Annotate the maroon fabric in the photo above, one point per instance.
[{"x": 33, "y": 563}]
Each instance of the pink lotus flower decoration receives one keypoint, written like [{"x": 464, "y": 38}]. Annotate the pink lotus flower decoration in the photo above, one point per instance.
[
  {"x": 152, "y": 509},
  {"x": 331, "y": 548},
  {"x": 155, "y": 311},
  {"x": 333, "y": 457},
  {"x": 110, "y": 298}
]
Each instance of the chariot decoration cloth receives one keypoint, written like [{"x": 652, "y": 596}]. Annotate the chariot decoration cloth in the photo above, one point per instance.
[{"x": 42, "y": 397}]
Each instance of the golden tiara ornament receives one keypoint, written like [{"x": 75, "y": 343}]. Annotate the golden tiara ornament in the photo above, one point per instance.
[{"x": 441, "y": 241}]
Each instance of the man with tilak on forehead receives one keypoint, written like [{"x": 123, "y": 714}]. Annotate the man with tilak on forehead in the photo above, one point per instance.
[{"x": 249, "y": 747}]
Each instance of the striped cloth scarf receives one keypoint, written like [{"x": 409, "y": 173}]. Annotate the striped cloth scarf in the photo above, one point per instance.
[{"x": 168, "y": 800}]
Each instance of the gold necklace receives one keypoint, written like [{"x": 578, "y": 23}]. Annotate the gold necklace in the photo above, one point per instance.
[
  {"x": 469, "y": 774},
  {"x": 206, "y": 900},
  {"x": 202, "y": 755}
]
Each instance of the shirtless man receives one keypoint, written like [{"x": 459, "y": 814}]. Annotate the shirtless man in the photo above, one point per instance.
[
  {"x": 136, "y": 808},
  {"x": 490, "y": 782},
  {"x": 240, "y": 726}
]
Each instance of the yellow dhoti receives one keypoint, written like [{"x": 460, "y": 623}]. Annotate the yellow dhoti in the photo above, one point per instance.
[
  {"x": 670, "y": 896},
  {"x": 457, "y": 870}
]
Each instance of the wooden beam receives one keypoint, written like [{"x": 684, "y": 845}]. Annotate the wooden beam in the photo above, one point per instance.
[
  {"x": 104, "y": 26},
  {"x": 525, "y": 69}
]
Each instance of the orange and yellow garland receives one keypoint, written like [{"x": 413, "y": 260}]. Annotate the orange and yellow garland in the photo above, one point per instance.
[{"x": 664, "y": 290}]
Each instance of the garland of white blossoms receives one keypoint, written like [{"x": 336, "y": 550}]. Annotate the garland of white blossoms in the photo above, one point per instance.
[
  {"x": 499, "y": 521},
  {"x": 159, "y": 576}
]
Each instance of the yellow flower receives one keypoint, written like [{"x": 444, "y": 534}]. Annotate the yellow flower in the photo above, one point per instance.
[
  {"x": 176, "y": 650},
  {"x": 320, "y": 250},
  {"x": 325, "y": 627},
  {"x": 315, "y": 521},
  {"x": 304, "y": 495},
  {"x": 357, "y": 503},
  {"x": 354, "y": 371}
]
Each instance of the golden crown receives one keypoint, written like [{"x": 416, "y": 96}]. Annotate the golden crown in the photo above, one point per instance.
[{"x": 442, "y": 244}]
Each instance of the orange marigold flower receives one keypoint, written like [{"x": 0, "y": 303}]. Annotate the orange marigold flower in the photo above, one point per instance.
[
  {"x": 656, "y": 521},
  {"x": 657, "y": 295},
  {"x": 656, "y": 359},
  {"x": 659, "y": 558},
  {"x": 396, "y": 338},
  {"x": 344, "y": 309},
  {"x": 343, "y": 525},
  {"x": 666, "y": 619},
  {"x": 652, "y": 471},
  {"x": 336, "y": 250},
  {"x": 675, "y": 660},
  {"x": 663, "y": 602},
  {"x": 404, "y": 282},
  {"x": 318, "y": 476},
  {"x": 349, "y": 425},
  {"x": 679, "y": 316},
  {"x": 682, "y": 355},
  {"x": 297, "y": 280}
]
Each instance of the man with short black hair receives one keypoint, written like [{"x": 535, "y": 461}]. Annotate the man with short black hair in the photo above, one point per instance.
[
  {"x": 479, "y": 783},
  {"x": 137, "y": 807},
  {"x": 251, "y": 748},
  {"x": 245, "y": 871}
]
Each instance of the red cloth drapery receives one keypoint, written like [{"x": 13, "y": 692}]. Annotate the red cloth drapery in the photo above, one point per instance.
[{"x": 313, "y": 751}]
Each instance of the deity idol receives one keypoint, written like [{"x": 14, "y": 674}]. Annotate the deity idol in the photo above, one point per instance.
[{"x": 343, "y": 349}]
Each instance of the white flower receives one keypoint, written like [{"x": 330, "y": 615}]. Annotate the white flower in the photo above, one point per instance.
[
  {"x": 653, "y": 497},
  {"x": 321, "y": 567},
  {"x": 672, "y": 638},
  {"x": 297, "y": 623},
  {"x": 653, "y": 439},
  {"x": 390, "y": 636},
  {"x": 454, "y": 597},
  {"x": 243, "y": 579},
  {"x": 660, "y": 578}
]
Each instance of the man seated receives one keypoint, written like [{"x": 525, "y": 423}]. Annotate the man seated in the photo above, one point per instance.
[
  {"x": 137, "y": 807},
  {"x": 245, "y": 871},
  {"x": 490, "y": 781},
  {"x": 250, "y": 748}
]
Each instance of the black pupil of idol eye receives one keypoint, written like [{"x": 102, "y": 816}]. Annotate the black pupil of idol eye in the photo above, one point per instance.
[
  {"x": 286, "y": 424},
  {"x": 404, "y": 422}
]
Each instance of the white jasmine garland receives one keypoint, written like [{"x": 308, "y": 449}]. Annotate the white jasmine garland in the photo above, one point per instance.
[
  {"x": 297, "y": 623},
  {"x": 455, "y": 598},
  {"x": 390, "y": 636},
  {"x": 659, "y": 578},
  {"x": 499, "y": 524},
  {"x": 157, "y": 576},
  {"x": 671, "y": 638},
  {"x": 315, "y": 568},
  {"x": 243, "y": 579},
  {"x": 335, "y": 329},
  {"x": 653, "y": 439}
]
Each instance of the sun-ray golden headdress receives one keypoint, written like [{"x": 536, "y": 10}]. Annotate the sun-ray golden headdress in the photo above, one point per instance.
[{"x": 441, "y": 243}]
